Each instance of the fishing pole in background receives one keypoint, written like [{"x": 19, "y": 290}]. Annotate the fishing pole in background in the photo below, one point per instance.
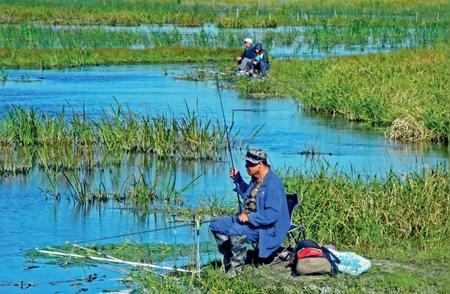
[{"x": 227, "y": 134}]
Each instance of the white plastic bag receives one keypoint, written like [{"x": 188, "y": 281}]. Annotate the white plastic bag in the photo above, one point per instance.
[{"x": 351, "y": 263}]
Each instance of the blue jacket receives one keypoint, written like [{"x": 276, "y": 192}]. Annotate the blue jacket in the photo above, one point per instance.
[{"x": 272, "y": 216}]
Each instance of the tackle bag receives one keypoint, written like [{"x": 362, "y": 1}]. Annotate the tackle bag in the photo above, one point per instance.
[{"x": 312, "y": 259}]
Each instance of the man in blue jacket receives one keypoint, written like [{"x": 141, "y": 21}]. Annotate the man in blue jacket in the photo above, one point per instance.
[{"x": 263, "y": 216}]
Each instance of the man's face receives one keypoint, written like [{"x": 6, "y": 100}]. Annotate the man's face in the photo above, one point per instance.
[
  {"x": 248, "y": 45},
  {"x": 252, "y": 168}
]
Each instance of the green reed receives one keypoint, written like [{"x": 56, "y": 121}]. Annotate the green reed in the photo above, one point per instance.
[
  {"x": 119, "y": 129},
  {"x": 321, "y": 36},
  {"x": 69, "y": 142},
  {"x": 59, "y": 58},
  {"x": 140, "y": 190},
  {"x": 144, "y": 188},
  {"x": 406, "y": 91},
  {"x": 224, "y": 13},
  {"x": 401, "y": 210},
  {"x": 15, "y": 161}
]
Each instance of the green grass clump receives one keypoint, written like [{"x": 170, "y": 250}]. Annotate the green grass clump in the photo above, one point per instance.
[
  {"x": 68, "y": 142},
  {"x": 321, "y": 37},
  {"x": 15, "y": 161},
  {"x": 430, "y": 278},
  {"x": 224, "y": 13},
  {"x": 121, "y": 129},
  {"x": 406, "y": 91},
  {"x": 58, "y": 58},
  {"x": 371, "y": 214}
]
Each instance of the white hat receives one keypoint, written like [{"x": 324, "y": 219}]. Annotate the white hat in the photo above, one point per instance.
[{"x": 248, "y": 40}]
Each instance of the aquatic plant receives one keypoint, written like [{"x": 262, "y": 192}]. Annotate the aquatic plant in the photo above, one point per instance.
[
  {"x": 4, "y": 75},
  {"x": 16, "y": 161},
  {"x": 321, "y": 36},
  {"x": 81, "y": 191},
  {"x": 58, "y": 58},
  {"x": 187, "y": 137},
  {"x": 139, "y": 190},
  {"x": 262, "y": 13}
]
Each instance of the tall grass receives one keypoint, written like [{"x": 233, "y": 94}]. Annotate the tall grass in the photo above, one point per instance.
[
  {"x": 61, "y": 142},
  {"x": 400, "y": 210},
  {"x": 58, "y": 58},
  {"x": 224, "y": 13},
  {"x": 16, "y": 161},
  {"x": 406, "y": 91},
  {"x": 322, "y": 36},
  {"x": 138, "y": 190}
]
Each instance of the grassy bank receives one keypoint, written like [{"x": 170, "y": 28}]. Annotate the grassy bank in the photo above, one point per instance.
[
  {"x": 406, "y": 91},
  {"x": 58, "y": 58},
  {"x": 419, "y": 276},
  {"x": 381, "y": 279},
  {"x": 399, "y": 222},
  {"x": 224, "y": 13}
]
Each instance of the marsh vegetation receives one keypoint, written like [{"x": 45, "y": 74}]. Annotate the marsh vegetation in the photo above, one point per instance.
[
  {"x": 131, "y": 160},
  {"x": 224, "y": 13},
  {"x": 405, "y": 91}
]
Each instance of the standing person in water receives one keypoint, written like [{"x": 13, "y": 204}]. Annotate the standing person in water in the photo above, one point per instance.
[
  {"x": 263, "y": 216},
  {"x": 260, "y": 61},
  {"x": 245, "y": 60}
]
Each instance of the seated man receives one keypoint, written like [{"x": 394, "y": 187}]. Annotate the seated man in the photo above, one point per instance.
[
  {"x": 263, "y": 216},
  {"x": 245, "y": 60},
  {"x": 260, "y": 61}
]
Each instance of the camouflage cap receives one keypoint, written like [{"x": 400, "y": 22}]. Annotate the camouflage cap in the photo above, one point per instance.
[{"x": 255, "y": 155}]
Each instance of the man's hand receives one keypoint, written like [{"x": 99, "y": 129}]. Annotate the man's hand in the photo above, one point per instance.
[
  {"x": 255, "y": 63},
  {"x": 243, "y": 218},
  {"x": 239, "y": 58},
  {"x": 234, "y": 173}
]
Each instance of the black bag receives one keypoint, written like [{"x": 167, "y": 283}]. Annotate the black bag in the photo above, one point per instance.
[{"x": 312, "y": 259}]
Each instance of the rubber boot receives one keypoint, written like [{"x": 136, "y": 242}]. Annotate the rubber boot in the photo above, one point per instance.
[
  {"x": 239, "y": 252},
  {"x": 224, "y": 246}
]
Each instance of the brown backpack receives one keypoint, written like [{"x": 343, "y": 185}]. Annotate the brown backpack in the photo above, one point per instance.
[{"x": 312, "y": 259}]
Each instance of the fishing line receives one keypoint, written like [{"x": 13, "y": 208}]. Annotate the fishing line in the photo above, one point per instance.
[
  {"x": 216, "y": 75},
  {"x": 141, "y": 232},
  {"x": 19, "y": 253}
]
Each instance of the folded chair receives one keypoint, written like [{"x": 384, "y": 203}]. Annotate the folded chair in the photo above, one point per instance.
[{"x": 295, "y": 233}]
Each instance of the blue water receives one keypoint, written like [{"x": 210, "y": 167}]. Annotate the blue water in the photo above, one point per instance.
[{"x": 28, "y": 220}]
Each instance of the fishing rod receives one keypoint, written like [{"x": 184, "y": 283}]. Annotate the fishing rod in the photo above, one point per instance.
[
  {"x": 137, "y": 233},
  {"x": 227, "y": 133}
]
